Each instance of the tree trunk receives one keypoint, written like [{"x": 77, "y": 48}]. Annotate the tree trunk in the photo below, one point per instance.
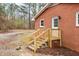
[{"x": 29, "y": 18}]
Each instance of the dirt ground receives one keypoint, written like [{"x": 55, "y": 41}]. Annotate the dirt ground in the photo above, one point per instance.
[
  {"x": 58, "y": 52},
  {"x": 9, "y": 44}
]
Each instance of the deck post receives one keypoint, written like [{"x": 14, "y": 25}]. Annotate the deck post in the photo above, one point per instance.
[
  {"x": 49, "y": 38},
  {"x": 34, "y": 45},
  {"x": 59, "y": 34},
  {"x": 60, "y": 43}
]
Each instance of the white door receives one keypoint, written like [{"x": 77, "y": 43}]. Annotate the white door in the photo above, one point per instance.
[
  {"x": 55, "y": 26},
  {"x": 55, "y": 22}
]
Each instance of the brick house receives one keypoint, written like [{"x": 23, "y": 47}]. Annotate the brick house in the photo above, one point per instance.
[{"x": 64, "y": 17}]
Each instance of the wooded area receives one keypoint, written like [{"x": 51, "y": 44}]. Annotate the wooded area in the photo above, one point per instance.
[{"x": 18, "y": 16}]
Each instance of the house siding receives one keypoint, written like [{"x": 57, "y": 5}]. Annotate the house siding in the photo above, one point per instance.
[{"x": 67, "y": 23}]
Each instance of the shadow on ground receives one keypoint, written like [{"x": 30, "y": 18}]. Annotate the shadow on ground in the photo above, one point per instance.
[{"x": 58, "y": 52}]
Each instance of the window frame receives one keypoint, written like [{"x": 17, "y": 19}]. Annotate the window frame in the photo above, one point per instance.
[
  {"x": 53, "y": 18},
  {"x": 40, "y": 23},
  {"x": 77, "y": 15}
]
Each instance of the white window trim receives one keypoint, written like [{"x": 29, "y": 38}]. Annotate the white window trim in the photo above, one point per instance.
[
  {"x": 77, "y": 18},
  {"x": 40, "y": 22},
  {"x": 53, "y": 22}
]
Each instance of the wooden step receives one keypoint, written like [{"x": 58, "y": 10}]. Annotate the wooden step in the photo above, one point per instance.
[
  {"x": 31, "y": 47},
  {"x": 40, "y": 43},
  {"x": 41, "y": 40}
]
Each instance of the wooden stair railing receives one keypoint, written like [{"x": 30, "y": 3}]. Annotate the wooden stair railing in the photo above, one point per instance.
[{"x": 41, "y": 39}]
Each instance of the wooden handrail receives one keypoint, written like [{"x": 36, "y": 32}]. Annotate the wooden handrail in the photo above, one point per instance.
[
  {"x": 41, "y": 34},
  {"x": 45, "y": 34}
]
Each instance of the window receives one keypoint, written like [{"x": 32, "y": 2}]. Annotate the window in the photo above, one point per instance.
[
  {"x": 42, "y": 23},
  {"x": 77, "y": 18},
  {"x": 55, "y": 22}
]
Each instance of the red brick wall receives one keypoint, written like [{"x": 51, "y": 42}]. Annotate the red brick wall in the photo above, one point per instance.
[{"x": 67, "y": 12}]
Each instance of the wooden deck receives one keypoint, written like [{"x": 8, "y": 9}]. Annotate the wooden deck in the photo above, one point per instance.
[{"x": 39, "y": 37}]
